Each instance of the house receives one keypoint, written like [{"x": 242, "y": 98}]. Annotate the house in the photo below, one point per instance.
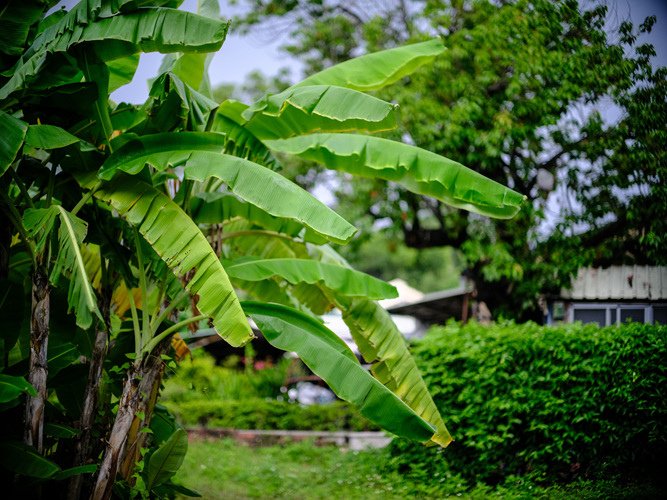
[
  {"x": 612, "y": 296},
  {"x": 433, "y": 308}
]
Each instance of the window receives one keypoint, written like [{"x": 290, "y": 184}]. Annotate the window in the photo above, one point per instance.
[
  {"x": 591, "y": 316},
  {"x": 610, "y": 313}
]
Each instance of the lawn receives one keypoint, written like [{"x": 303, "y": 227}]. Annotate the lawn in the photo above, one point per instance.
[{"x": 225, "y": 469}]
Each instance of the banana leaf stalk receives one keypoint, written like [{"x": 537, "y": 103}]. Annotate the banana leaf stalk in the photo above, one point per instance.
[
  {"x": 137, "y": 388},
  {"x": 39, "y": 339},
  {"x": 89, "y": 410}
]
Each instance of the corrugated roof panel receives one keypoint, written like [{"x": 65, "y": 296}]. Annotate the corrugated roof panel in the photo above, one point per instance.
[
  {"x": 619, "y": 283},
  {"x": 615, "y": 281}
]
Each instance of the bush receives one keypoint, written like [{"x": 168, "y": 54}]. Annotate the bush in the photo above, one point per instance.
[
  {"x": 555, "y": 402},
  {"x": 270, "y": 415},
  {"x": 200, "y": 378}
]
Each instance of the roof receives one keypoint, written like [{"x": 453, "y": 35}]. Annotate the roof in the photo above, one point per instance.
[
  {"x": 406, "y": 294},
  {"x": 435, "y": 307},
  {"x": 619, "y": 283}
]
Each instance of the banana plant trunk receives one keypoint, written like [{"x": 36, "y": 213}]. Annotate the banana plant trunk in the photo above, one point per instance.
[
  {"x": 137, "y": 392},
  {"x": 89, "y": 410},
  {"x": 39, "y": 339}
]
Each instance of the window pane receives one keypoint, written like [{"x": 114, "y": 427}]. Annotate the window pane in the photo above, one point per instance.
[
  {"x": 660, "y": 314},
  {"x": 632, "y": 315},
  {"x": 613, "y": 316},
  {"x": 590, "y": 316}
]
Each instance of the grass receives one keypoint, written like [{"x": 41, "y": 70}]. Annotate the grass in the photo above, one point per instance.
[{"x": 225, "y": 469}]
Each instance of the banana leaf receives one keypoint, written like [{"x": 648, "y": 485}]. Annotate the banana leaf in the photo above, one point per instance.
[
  {"x": 216, "y": 208},
  {"x": 241, "y": 141},
  {"x": 416, "y": 169},
  {"x": 182, "y": 246},
  {"x": 381, "y": 343},
  {"x": 174, "y": 105},
  {"x": 342, "y": 280},
  {"x": 271, "y": 192},
  {"x": 12, "y": 134},
  {"x": 122, "y": 70},
  {"x": 39, "y": 223},
  {"x": 146, "y": 30},
  {"x": 49, "y": 137},
  {"x": 379, "y": 69},
  {"x": 330, "y": 358},
  {"x": 318, "y": 108}
]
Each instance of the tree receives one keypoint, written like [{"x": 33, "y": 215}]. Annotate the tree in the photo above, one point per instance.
[
  {"x": 539, "y": 95},
  {"x": 134, "y": 222}
]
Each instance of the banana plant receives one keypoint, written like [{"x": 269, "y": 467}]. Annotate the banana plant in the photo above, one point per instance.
[{"x": 158, "y": 216}]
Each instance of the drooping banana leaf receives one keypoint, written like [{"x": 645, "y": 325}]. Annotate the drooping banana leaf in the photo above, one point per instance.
[
  {"x": 17, "y": 18},
  {"x": 191, "y": 67},
  {"x": 379, "y": 69},
  {"x": 199, "y": 152},
  {"x": 381, "y": 343},
  {"x": 342, "y": 280},
  {"x": 121, "y": 71},
  {"x": 318, "y": 108},
  {"x": 330, "y": 358},
  {"x": 146, "y": 30},
  {"x": 241, "y": 141},
  {"x": 39, "y": 223},
  {"x": 182, "y": 246},
  {"x": 215, "y": 208},
  {"x": 418, "y": 170},
  {"x": 12, "y": 134},
  {"x": 271, "y": 192}
]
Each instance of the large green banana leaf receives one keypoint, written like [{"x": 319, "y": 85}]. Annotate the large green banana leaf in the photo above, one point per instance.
[
  {"x": 200, "y": 153},
  {"x": 216, "y": 208},
  {"x": 381, "y": 343},
  {"x": 39, "y": 223},
  {"x": 416, "y": 169},
  {"x": 328, "y": 357},
  {"x": 17, "y": 17},
  {"x": 146, "y": 30},
  {"x": 12, "y": 134},
  {"x": 271, "y": 192},
  {"x": 318, "y": 108},
  {"x": 122, "y": 70},
  {"x": 376, "y": 70},
  {"x": 182, "y": 246},
  {"x": 342, "y": 280},
  {"x": 241, "y": 142}
]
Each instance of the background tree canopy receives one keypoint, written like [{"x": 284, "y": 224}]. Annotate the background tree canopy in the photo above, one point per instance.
[{"x": 551, "y": 98}]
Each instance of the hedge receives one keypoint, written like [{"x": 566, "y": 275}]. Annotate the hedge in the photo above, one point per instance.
[
  {"x": 264, "y": 414},
  {"x": 555, "y": 402}
]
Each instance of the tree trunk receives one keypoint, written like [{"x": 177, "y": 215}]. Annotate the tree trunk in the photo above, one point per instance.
[
  {"x": 137, "y": 391},
  {"x": 150, "y": 389},
  {"x": 89, "y": 410},
  {"x": 39, "y": 339},
  {"x": 129, "y": 402}
]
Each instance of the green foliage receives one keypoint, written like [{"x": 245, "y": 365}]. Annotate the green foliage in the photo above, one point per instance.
[
  {"x": 522, "y": 92},
  {"x": 302, "y": 470},
  {"x": 552, "y": 402},
  {"x": 199, "y": 378},
  {"x": 270, "y": 414}
]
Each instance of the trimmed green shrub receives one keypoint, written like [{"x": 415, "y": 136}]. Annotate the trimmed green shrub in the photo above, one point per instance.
[
  {"x": 200, "y": 378},
  {"x": 555, "y": 402},
  {"x": 269, "y": 414}
]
